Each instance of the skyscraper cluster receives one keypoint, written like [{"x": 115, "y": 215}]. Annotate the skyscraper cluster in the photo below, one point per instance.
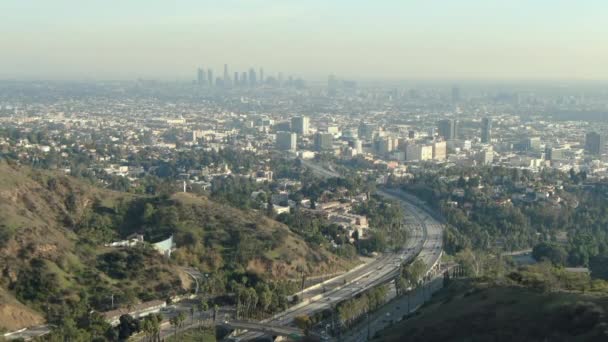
[{"x": 249, "y": 78}]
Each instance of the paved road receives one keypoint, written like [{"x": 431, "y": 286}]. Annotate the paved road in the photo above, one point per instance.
[
  {"x": 29, "y": 333},
  {"x": 425, "y": 242}
]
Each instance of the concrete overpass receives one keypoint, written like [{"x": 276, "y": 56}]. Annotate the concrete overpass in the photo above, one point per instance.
[{"x": 264, "y": 328}]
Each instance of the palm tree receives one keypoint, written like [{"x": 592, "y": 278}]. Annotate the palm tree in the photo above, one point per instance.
[
  {"x": 181, "y": 318},
  {"x": 174, "y": 323}
]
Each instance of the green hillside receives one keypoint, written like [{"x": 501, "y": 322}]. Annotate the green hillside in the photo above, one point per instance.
[
  {"x": 53, "y": 262},
  {"x": 467, "y": 311}
]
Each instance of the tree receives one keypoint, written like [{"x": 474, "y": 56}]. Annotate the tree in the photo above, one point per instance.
[
  {"x": 177, "y": 321},
  {"x": 151, "y": 326},
  {"x": 128, "y": 326},
  {"x": 202, "y": 306},
  {"x": 471, "y": 262},
  {"x": 181, "y": 318},
  {"x": 599, "y": 267},
  {"x": 216, "y": 309},
  {"x": 549, "y": 251},
  {"x": 303, "y": 322}
]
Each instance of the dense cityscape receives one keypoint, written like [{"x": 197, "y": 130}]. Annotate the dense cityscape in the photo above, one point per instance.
[
  {"x": 316, "y": 158},
  {"x": 313, "y": 171}
]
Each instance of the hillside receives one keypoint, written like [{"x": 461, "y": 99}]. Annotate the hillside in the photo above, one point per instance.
[
  {"x": 265, "y": 246},
  {"x": 482, "y": 312},
  {"x": 52, "y": 256}
]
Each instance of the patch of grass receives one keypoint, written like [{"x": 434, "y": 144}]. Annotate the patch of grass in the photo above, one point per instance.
[{"x": 194, "y": 335}]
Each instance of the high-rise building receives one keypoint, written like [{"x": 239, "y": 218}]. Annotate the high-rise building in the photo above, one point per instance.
[
  {"x": 262, "y": 75},
  {"x": 455, "y": 94},
  {"x": 300, "y": 125},
  {"x": 282, "y": 126},
  {"x": 252, "y": 77},
  {"x": 486, "y": 130},
  {"x": 324, "y": 141},
  {"x": 532, "y": 144},
  {"x": 357, "y": 146},
  {"x": 286, "y": 141},
  {"x": 200, "y": 77},
  {"x": 448, "y": 129},
  {"x": 332, "y": 84},
  {"x": 440, "y": 149},
  {"x": 210, "y": 77},
  {"x": 367, "y": 130},
  {"x": 594, "y": 143},
  {"x": 244, "y": 80},
  {"x": 226, "y": 76},
  {"x": 486, "y": 156},
  {"x": 236, "y": 78},
  {"x": 418, "y": 152},
  {"x": 383, "y": 145}
]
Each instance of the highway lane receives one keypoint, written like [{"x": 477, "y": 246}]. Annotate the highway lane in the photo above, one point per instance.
[{"x": 425, "y": 243}]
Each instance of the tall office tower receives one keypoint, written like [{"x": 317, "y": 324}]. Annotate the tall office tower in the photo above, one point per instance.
[
  {"x": 418, "y": 152},
  {"x": 300, "y": 125},
  {"x": 286, "y": 141},
  {"x": 200, "y": 79},
  {"x": 594, "y": 143},
  {"x": 440, "y": 149},
  {"x": 332, "y": 84},
  {"x": 455, "y": 94},
  {"x": 530, "y": 144},
  {"x": 244, "y": 78},
  {"x": 210, "y": 77},
  {"x": 252, "y": 77},
  {"x": 486, "y": 130},
  {"x": 280, "y": 79},
  {"x": 357, "y": 145},
  {"x": 236, "y": 78},
  {"x": 383, "y": 145},
  {"x": 367, "y": 130},
  {"x": 324, "y": 141},
  {"x": 486, "y": 156},
  {"x": 226, "y": 76},
  {"x": 448, "y": 129},
  {"x": 261, "y": 75}
]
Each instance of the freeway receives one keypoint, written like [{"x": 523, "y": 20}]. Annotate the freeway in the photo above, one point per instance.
[{"x": 425, "y": 242}]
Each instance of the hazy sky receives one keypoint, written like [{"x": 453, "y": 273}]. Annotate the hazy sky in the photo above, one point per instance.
[{"x": 401, "y": 39}]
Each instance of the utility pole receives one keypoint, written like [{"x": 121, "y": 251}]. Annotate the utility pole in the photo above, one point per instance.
[
  {"x": 112, "y": 296},
  {"x": 302, "y": 293}
]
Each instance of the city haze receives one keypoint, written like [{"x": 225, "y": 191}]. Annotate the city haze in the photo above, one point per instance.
[{"x": 469, "y": 39}]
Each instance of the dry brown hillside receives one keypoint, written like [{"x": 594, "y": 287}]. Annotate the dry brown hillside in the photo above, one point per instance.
[{"x": 52, "y": 256}]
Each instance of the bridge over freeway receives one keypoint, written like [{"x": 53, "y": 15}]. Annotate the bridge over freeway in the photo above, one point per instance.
[{"x": 265, "y": 328}]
